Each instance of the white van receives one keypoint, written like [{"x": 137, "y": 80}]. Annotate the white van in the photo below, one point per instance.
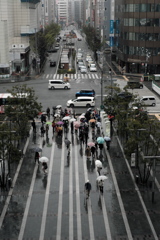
[
  {"x": 148, "y": 100},
  {"x": 58, "y": 84},
  {"x": 81, "y": 102}
]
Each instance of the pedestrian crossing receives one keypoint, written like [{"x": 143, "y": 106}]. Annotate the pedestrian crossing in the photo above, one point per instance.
[{"x": 72, "y": 76}]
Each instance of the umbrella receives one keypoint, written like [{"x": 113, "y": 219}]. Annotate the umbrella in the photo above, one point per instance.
[
  {"x": 91, "y": 144},
  {"x": 56, "y": 115},
  {"x": 72, "y": 120},
  {"x": 59, "y": 106},
  {"x": 37, "y": 149},
  {"x": 102, "y": 177},
  {"x": 100, "y": 140},
  {"x": 49, "y": 123},
  {"x": 92, "y": 120},
  {"x": 77, "y": 124},
  {"x": 59, "y": 123},
  {"x": 98, "y": 163},
  {"x": 81, "y": 116},
  {"x": 43, "y": 113},
  {"x": 66, "y": 118},
  {"x": 43, "y": 159},
  {"x": 107, "y": 139},
  {"x": 67, "y": 142}
]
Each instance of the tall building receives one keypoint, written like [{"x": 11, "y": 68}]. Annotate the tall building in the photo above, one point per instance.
[
  {"x": 63, "y": 12},
  {"x": 18, "y": 20},
  {"x": 138, "y": 35}
]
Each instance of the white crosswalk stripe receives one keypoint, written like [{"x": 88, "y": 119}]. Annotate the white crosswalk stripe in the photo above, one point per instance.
[{"x": 72, "y": 76}]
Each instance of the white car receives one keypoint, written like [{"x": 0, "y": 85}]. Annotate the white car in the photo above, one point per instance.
[
  {"x": 81, "y": 102},
  {"x": 57, "y": 47},
  {"x": 90, "y": 62},
  {"x": 89, "y": 58},
  {"x": 93, "y": 69},
  {"x": 80, "y": 64},
  {"x": 83, "y": 69}
]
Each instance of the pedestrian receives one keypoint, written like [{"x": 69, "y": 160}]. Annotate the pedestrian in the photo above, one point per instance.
[
  {"x": 65, "y": 126},
  {"x": 47, "y": 129},
  {"x": 81, "y": 137},
  {"x": 93, "y": 149},
  {"x": 42, "y": 131},
  {"x": 53, "y": 125},
  {"x": 88, "y": 152},
  {"x": 98, "y": 125},
  {"x": 48, "y": 112},
  {"x": 100, "y": 184},
  {"x": 34, "y": 126},
  {"x": 108, "y": 141},
  {"x": 36, "y": 157},
  {"x": 44, "y": 167},
  {"x": 43, "y": 118},
  {"x": 72, "y": 127},
  {"x": 99, "y": 170},
  {"x": 87, "y": 188}
]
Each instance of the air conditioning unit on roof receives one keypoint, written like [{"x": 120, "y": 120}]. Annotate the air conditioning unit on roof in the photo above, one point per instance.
[{"x": 14, "y": 46}]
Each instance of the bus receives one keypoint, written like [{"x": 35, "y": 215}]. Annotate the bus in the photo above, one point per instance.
[{"x": 4, "y": 100}]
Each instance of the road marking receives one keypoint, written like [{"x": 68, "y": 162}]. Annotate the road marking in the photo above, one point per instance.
[
  {"x": 139, "y": 195},
  {"x": 96, "y": 75},
  {"x": 25, "y": 215},
  {"x": 59, "y": 220},
  {"x": 119, "y": 196},
  {"x": 47, "y": 76},
  {"x": 71, "y": 235},
  {"x": 45, "y": 208},
  {"x": 93, "y": 76},
  {"x": 90, "y": 218},
  {"x": 89, "y": 76},
  {"x": 79, "y": 226},
  {"x": 54, "y": 76},
  {"x": 13, "y": 184}
]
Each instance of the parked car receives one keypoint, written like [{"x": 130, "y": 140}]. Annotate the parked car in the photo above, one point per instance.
[
  {"x": 125, "y": 95},
  {"x": 81, "y": 102},
  {"x": 57, "y": 46},
  {"x": 79, "y": 39},
  {"x": 148, "y": 100},
  {"x": 52, "y": 50},
  {"x": 85, "y": 92},
  {"x": 134, "y": 84}
]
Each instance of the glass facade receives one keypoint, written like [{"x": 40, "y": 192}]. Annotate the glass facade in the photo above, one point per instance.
[{"x": 137, "y": 38}]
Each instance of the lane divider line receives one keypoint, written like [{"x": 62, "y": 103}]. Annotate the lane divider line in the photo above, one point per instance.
[{"x": 45, "y": 208}]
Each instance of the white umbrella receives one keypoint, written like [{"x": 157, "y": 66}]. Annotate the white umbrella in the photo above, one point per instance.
[
  {"x": 66, "y": 118},
  {"x": 81, "y": 116},
  {"x": 107, "y": 139},
  {"x": 98, "y": 163},
  {"x": 102, "y": 177},
  {"x": 72, "y": 120},
  {"x": 43, "y": 159}
]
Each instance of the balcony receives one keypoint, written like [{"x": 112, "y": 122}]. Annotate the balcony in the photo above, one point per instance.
[{"x": 31, "y": 1}]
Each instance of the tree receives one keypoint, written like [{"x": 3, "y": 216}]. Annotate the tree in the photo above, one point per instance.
[
  {"x": 137, "y": 131},
  {"x": 91, "y": 37},
  {"x": 22, "y": 108}
]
